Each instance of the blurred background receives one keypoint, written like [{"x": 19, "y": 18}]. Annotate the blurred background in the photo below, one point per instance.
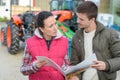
[
  {"x": 12, "y": 7},
  {"x": 18, "y": 22}
]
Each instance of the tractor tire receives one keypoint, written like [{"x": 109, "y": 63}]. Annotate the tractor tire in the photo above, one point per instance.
[
  {"x": 12, "y": 39},
  {"x": 3, "y": 36}
]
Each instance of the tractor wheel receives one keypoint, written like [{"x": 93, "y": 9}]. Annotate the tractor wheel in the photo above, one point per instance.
[
  {"x": 12, "y": 39},
  {"x": 3, "y": 36}
]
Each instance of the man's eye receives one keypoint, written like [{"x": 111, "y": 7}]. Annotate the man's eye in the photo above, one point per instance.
[
  {"x": 51, "y": 26},
  {"x": 80, "y": 19}
]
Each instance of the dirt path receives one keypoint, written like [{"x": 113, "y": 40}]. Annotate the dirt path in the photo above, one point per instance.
[{"x": 10, "y": 64}]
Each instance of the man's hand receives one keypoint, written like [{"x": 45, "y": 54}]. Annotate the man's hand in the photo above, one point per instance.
[{"x": 99, "y": 65}]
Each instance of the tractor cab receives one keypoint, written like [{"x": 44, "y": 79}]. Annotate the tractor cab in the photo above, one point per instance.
[{"x": 27, "y": 19}]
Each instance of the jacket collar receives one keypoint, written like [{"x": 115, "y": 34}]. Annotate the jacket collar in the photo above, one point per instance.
[
  {"x": 99, "y": 28},
  {"x": 37, "y": 33}
]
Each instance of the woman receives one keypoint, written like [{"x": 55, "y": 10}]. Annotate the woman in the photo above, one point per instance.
[{"x": 47, "y": 42}]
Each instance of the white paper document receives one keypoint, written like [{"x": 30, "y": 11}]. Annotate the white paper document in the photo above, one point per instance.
[
  {"x": 51, "y": 63},
  {"x": 84, "y": 64}
]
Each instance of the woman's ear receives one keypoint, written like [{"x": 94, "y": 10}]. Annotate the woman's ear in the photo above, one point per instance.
[{"x": 41, "y": 29}]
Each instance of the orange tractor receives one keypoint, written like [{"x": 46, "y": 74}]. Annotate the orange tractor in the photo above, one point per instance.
[{"x": 18, "y": 29}]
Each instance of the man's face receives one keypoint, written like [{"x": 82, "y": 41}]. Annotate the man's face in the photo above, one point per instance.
[
  {"x": 83, "y": 21},
  {"x": 50, "y": 27}
]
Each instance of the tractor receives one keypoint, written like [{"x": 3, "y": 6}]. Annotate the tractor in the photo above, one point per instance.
[
  {"x": 65, "y": 12},
  {"x": 19, "y": 28}
]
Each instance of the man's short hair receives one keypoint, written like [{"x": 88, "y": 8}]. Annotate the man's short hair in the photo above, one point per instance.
[{"x": 89, "y": 8}]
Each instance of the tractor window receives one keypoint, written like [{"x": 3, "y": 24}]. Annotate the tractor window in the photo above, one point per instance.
[{"x": 28, "y": 19}]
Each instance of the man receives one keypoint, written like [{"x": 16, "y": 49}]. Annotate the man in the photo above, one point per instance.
[{"x": 93, "y": 37}]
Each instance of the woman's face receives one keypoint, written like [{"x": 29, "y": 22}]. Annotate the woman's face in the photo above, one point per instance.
[{"x": 50, "y": 28}]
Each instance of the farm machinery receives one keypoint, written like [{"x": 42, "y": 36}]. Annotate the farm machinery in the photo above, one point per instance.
[
  {"x": 65, "y": 12},
  {"x": 19, "y": 28}
]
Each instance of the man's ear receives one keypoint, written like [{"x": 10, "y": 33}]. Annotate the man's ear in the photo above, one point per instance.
[{"x": 93, "y": 19}]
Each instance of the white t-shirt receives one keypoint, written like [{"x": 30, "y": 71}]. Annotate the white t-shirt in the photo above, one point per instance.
[{"x": 90, "y": 73}]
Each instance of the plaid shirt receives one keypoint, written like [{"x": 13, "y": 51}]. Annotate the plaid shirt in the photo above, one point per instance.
[{"x": 29, "y": 67}]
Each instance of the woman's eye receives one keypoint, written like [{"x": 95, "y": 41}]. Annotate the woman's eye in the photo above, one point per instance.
[{"x": 55, "y": 24}]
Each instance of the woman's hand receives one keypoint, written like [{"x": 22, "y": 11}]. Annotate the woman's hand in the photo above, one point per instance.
[
  {"x": 38, "y": 63},
  {"x": 99, "y": 65}
]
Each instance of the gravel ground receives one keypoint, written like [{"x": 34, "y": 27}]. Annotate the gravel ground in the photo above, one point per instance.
[{"x": 10, "y": 64}]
